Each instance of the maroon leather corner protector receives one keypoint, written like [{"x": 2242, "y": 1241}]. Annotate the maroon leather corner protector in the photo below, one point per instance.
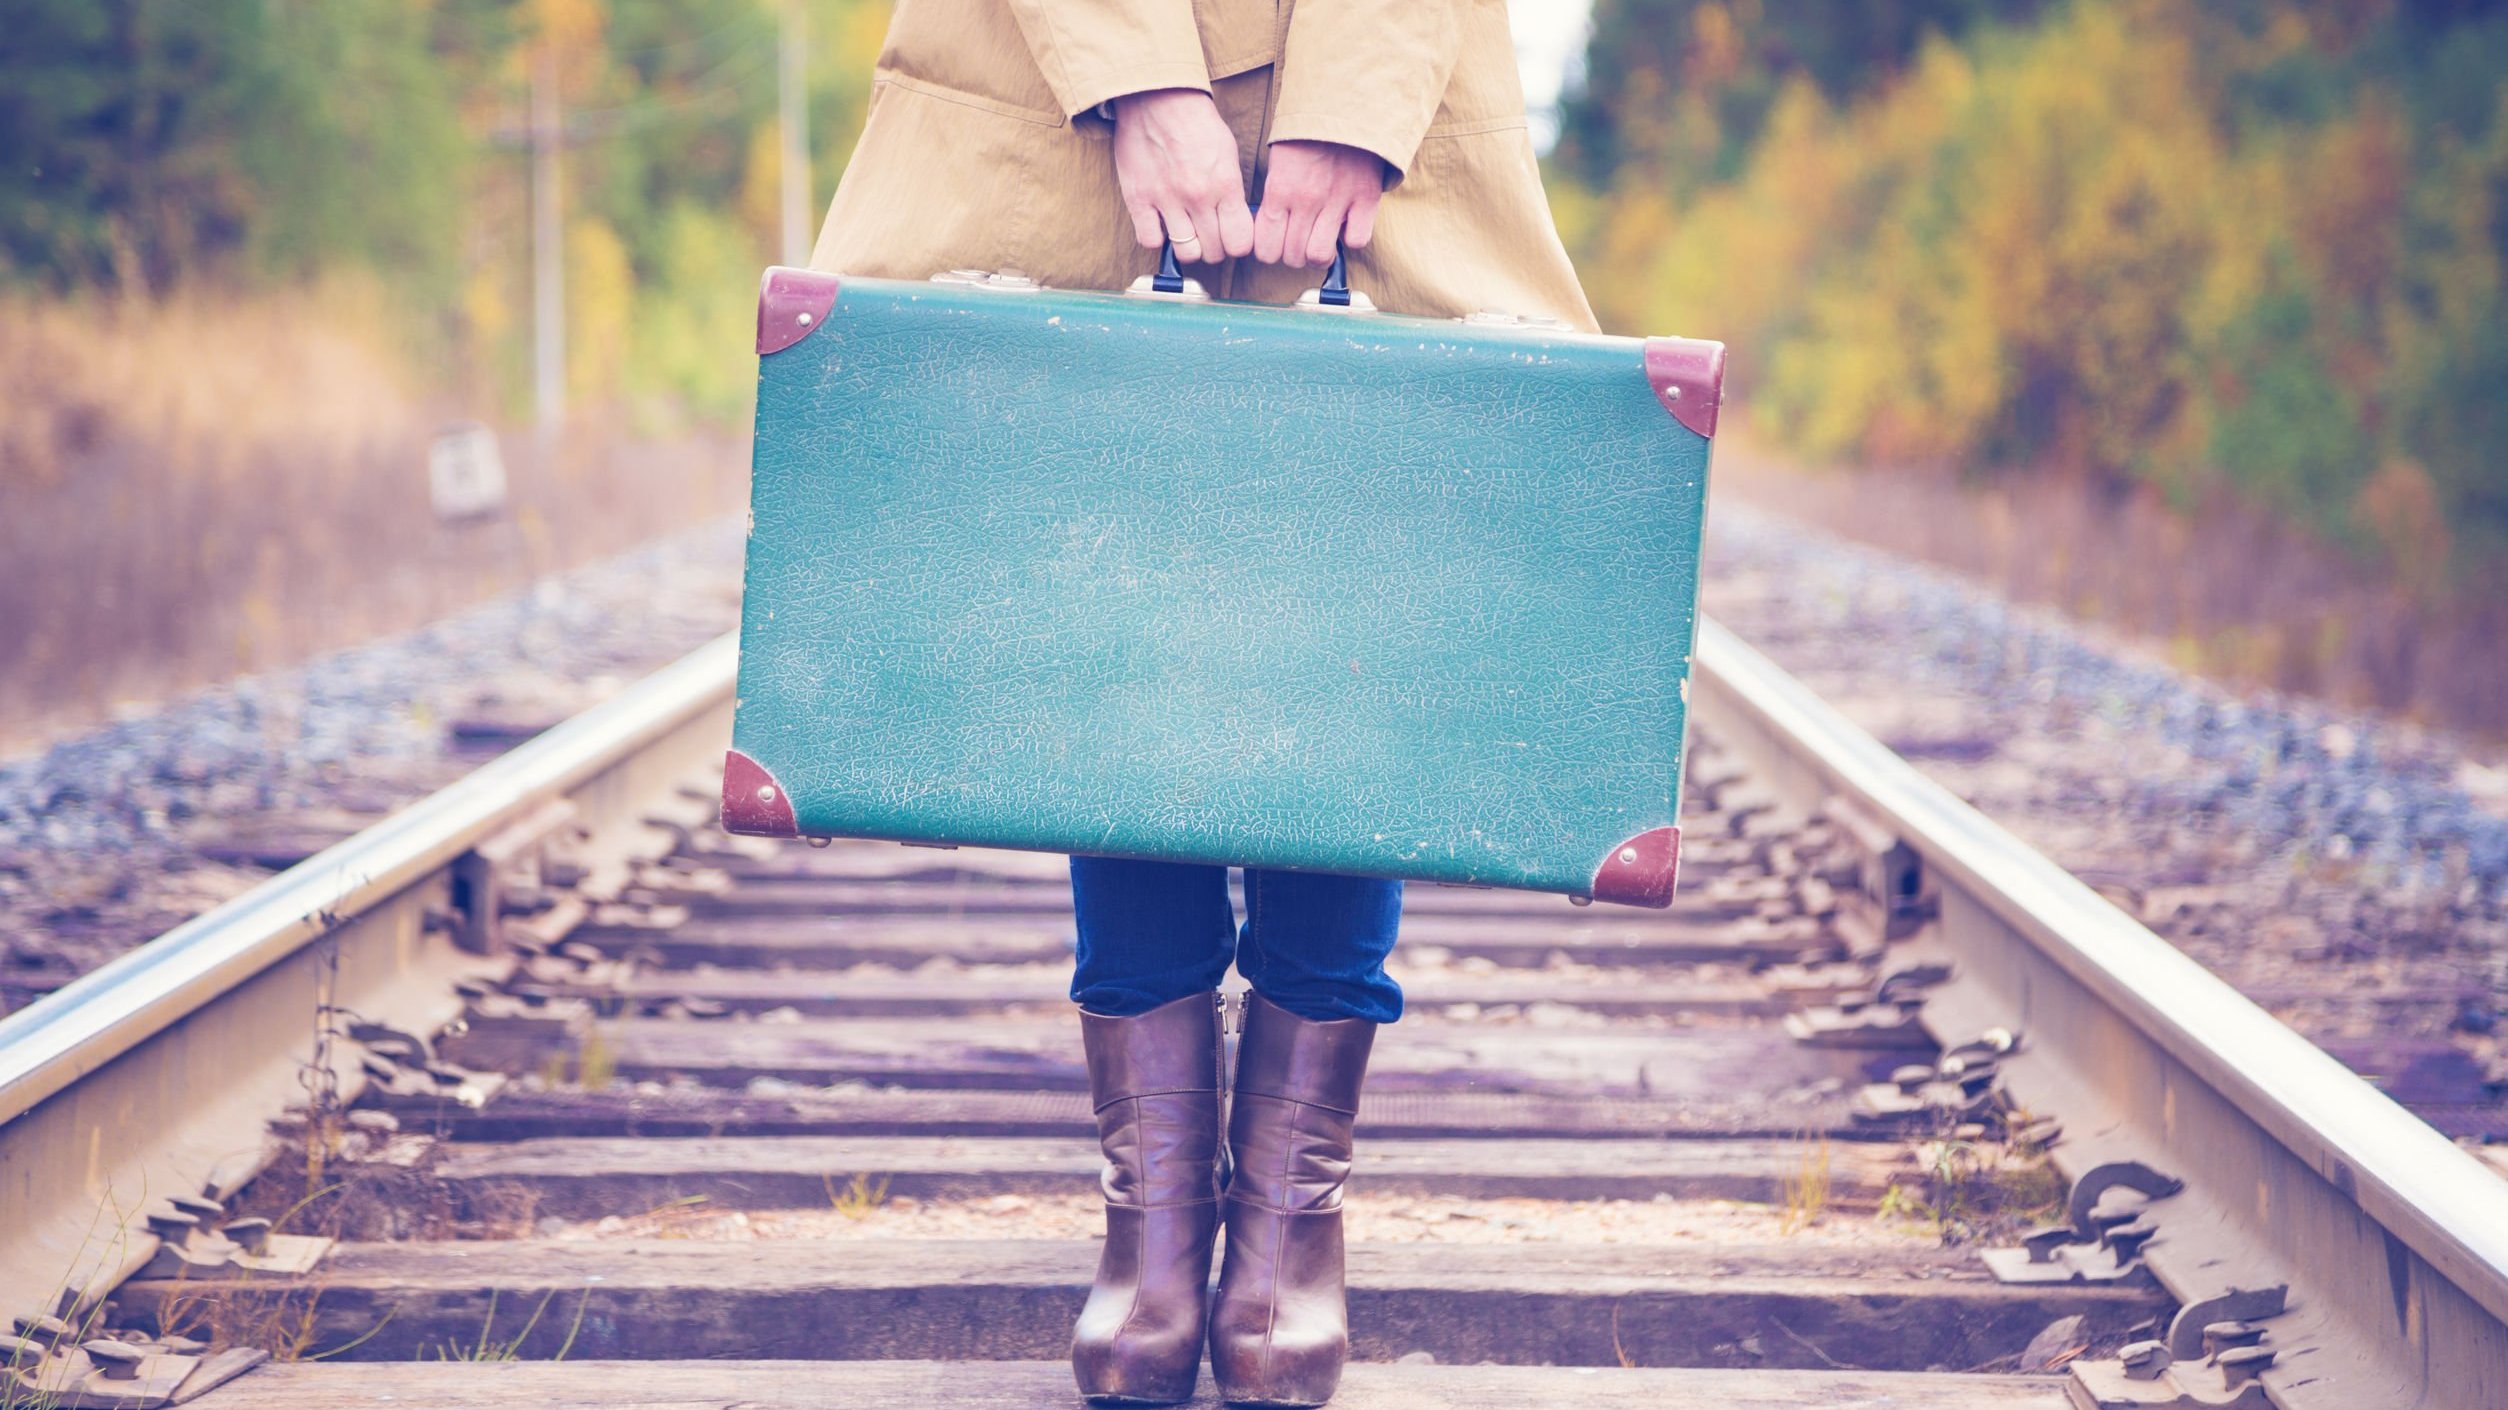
[
  {"x": 753, "y": 802},
  {"x": 1640, "y": 871},
  {"x": 792, "y": 303},
  {"x": 1688, "y": 377}
]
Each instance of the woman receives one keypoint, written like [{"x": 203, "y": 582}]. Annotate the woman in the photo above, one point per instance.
[{"x": 1066, "y": 139}]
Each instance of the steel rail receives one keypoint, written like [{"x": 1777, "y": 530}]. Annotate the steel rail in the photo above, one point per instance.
[
  {"x": 76, "y": 1029},
  {"x": 2356, "y": 1149},
  {"x": 155, "y": 1074}
]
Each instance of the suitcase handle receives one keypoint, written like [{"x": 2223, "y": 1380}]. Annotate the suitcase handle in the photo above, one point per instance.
[
  {"x": 1334, "y": 292},
  {"x": 1169, "y": 279}
]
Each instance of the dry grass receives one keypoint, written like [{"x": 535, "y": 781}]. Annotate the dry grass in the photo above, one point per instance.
[
  {"x": 1807, "y": 1186},
  {"x": 493, "y": 1345},
  {"x": 859, "y": 1197},
  {"x": 2227, "y": 592},
  {"x": 1977, "y": 1192},
  {"x": 202, "y": 487},
  {"x": 81, "y": 1308},
  {"x": 283, "y": 1318},
  {"x": 592, "y": 1064}
]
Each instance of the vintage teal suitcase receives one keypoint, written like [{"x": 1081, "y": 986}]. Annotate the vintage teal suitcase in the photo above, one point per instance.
[{"x": 1151, "y": 576}]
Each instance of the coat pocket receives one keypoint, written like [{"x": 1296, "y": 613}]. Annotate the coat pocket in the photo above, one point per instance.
[
  {"x": 1238, "y": 36},
  {"x": 1042, "y": 117}
]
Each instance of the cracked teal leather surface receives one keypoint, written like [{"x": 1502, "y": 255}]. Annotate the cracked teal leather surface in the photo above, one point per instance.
[{"x": 1219, "y": 583}]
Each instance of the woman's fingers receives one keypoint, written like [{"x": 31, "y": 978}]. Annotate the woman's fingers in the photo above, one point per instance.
[
  {"x": 1181, "y": 232},
  {"x": 1271, "y": 231},
  {"x": 1301, "y": 233},
  {"x": 1322, "y": 193},
  {"x": 1324, "y": 242},
  {"x": 1145, "y": 224},
  {"x": 1236, "y": 224},
  {"x": 1361, "y": 226},
  {"x": 1176, "y": 164},
  {"x": 1209, "y": 244}
]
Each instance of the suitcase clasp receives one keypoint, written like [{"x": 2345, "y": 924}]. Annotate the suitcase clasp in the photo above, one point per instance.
[
  {"x": 1500, "y": 318},
  {"x": 1008, "y": 281}
]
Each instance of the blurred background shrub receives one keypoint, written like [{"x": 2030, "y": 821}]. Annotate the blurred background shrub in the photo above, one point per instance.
[
  {"x": 247, "y": 145},
  {"x": 2242, "y": 246}
]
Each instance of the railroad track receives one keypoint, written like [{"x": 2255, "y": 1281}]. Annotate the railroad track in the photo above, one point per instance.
[{"x": 549, "y": 1073}]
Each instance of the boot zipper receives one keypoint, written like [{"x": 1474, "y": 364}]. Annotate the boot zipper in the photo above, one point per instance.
[{"x": 1222, "y": 1168}]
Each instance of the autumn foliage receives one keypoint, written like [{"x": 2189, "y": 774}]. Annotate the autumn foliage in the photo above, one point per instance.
[
  {"x": 2250, "y": 250},
  {"x": 249, "y": 148}
]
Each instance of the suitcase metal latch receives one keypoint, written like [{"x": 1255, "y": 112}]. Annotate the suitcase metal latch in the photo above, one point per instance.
[
  {"x": 1008, "y": 281},
  {"x": 1500, "y": 318}
]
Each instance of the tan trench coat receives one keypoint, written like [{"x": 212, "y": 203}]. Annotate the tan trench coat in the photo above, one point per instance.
[{"x": 983, "y": 149}]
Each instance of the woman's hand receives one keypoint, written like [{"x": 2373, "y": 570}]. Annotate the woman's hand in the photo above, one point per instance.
[
  {"x": 1176, "y": 161},
  {"x": 1316, "y": 193}
]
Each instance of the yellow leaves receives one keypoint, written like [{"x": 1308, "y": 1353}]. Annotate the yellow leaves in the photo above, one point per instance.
[
  {"x": 1922, "y": 110},
  {"x": 1634, "y": 232},
  {"x": 600, "y": 310},
  {"x": 1728, "y": 258},
  {"x": 1828, "y": 393},
  {"x": 860, "y": 27},
  {"x": 694, "y": 350},
  {"x": 761, "y": 186},
  {"x": 574, "y": 26},
  {"x": 1984, "y": 246},
  {"x": 487, "y": 313}
]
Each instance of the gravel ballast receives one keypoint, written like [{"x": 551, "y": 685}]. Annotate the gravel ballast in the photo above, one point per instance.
[
  {"x": 117, "y": 835},
  {"x": 2269, "y": 837}
]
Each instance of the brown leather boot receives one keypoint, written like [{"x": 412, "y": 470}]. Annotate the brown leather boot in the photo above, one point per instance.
[
  {"x": 1281, "y": 1328},
  {"x": 1154, "y": 1079}
]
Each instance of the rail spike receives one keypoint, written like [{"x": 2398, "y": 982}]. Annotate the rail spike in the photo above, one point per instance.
[
  {"x": 2090, "y": 1246},
  {"x": 2185, "y": 1332},
  {"x": 2212, "y": 1359},
  {"x": 2114, "y": 1175}
]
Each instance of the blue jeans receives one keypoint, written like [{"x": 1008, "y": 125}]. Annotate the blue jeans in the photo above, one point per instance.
[{"x": 1153, "y": 932}]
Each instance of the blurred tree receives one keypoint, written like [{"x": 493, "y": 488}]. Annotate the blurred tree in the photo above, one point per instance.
[
  {"x": 2242, "y": 246},
  {"x": 1678, "y": 91},
  {"x": 241, "y": 144},
  {"x": 152, "y": 141}
]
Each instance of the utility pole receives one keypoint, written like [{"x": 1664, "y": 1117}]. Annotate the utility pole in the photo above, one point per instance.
[
  {"x": 548, "y": 265},
  {"x": 792, "y": 105}
]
